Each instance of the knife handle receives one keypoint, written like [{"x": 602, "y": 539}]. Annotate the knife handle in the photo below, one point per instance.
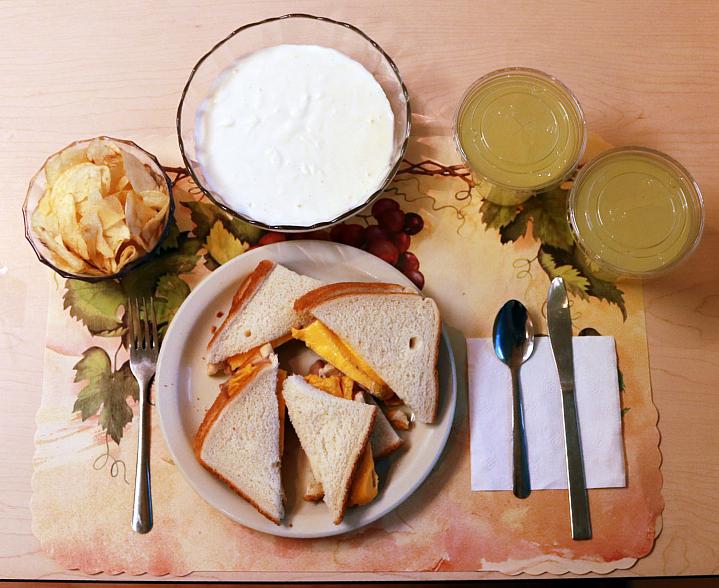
[
  {"x": 578, "y": 499},
  {"x": 520, "y": 465}
]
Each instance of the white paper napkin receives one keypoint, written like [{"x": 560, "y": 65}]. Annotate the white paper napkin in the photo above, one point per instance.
[{"x": 598, "y": 407}]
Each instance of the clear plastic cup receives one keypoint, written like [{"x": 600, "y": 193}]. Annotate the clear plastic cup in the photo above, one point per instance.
[
  {"x": 635, "y": 212},
  {"x": 521, "y": 130}
]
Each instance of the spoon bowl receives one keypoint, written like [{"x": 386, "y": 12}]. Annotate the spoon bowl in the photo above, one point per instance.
[{"x": 513, "y": 334}]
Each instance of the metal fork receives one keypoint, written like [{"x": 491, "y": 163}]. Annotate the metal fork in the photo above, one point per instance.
[{"x": 144, "y": 345}]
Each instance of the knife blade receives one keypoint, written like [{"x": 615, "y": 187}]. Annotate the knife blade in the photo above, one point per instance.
[{"x": 559, "y": 323}]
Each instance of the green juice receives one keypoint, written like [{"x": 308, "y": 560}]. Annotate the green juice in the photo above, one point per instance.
[
  {"x": 635, "y": 211},
  {"x": 520, "y": 130}
]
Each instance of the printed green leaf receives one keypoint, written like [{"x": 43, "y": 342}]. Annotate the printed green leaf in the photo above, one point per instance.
[
  {"x": 625, "y": 411},
  {"x": 205, "y": 215},
  {"x": 598, "y": 287},
  {"x": 222, "y": 245},
  {"x": 142, "y": 281},
  {"x": 244, "y": 231},
  {"x": 495, "y": 216},
  {"x": 515, "y": 229},
  {"x": 170, "y": 294},
  {"x": 589, "y": 332},
  {"x": 95, "y": 305},
  {"x": 170, "y": 242},
  {"x": 605, "y": 290},
  {"x": 106, "y": 392},
  {"x": 549, "y": 219},
  {"x": 575, "y": 283}
]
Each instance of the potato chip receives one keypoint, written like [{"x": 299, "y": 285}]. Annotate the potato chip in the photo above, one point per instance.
[
  {"x": 62, "y": 161},
  {"x": 102, "y": 208},
  {"x": 89, "y": 227},
  {"x": 111, "y": 211},
  {"x": 104, "y": 152},
  {"x": 140, "y": 178},
  {"x": 155, "y": 199},
  {"x": 127, "y": 255},
  {"x": 122, "y": 184},
  {"x": 116, "y": 235},
  {"x": 44, "y": 218},
  {"x": 153, "y": 228},
  {"x": 81, "y": 179},
  {"x": 64, "y": 207},
  {"x": 64, "y": 259}
]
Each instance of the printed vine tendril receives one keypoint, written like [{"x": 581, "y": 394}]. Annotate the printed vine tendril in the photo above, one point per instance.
[
  {"x": 523, "y": 265},
  {"x": 115, "y": 464}
]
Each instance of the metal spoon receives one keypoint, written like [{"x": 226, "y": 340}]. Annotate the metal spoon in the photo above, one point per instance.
[{"x": 513, "y": 338}]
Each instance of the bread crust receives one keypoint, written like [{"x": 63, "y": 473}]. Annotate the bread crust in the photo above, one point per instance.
[
  {"x": 313, "y": 298},
  {"x": 390, "y": 449},
  {"x": 244, "y": 294},
  {"x": 350, "y": 480},
  {"x": 213, "y": 413},
  {"x": 436, "y": 368}
]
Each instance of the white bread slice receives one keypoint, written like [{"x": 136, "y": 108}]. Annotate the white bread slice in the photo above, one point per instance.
[
  {"x": 384, "y": 438},
  {"x": 239, "y": 440},
  {"x": 333, "y": 432},
  {"x": 397, "y": 334},
  {"x": 261, "y": 312}
]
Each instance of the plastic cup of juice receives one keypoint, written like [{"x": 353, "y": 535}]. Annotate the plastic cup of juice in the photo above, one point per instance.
[
  {"x": 635, "y": 212},
  {"x": 520, "y": 130}
]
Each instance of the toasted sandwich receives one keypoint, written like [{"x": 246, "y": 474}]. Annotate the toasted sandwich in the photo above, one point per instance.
[
  {"x": 241, "y": 438},
  {"x": 261, "y": 312},
  {"x": 334, "y": 432},
  {"x": 382, "y": 336}
]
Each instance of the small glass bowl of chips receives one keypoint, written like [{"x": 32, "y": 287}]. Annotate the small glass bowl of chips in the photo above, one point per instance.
[{"x": 98, "y": 208}]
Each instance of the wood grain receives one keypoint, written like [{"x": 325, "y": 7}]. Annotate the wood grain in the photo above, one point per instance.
[{"x": 647, "y": 73}]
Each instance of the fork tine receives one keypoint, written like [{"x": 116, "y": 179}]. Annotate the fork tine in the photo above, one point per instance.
[
  {"x": 155, "y": 339},
  {"x": 131, "y": 323},
  {"x": 146, "y": 324}
]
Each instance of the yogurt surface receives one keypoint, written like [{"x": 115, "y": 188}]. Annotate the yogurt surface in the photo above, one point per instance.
[{"x": 295, "y": 135}]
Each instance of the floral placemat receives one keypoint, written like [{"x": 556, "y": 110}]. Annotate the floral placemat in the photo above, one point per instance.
[{"x": 473, "y": 255}]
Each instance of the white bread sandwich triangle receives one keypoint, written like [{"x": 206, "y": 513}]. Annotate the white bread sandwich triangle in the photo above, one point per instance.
[
  {"x": 383, "y": 441},
  {"x": 394, "y": 333},
  {"x": 261, "y": 312},
  {"x": 241, "y": 437},
  {"x": 333, "y": 432}
]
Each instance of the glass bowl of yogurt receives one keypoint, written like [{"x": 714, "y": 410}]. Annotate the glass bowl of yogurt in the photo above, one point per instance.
[{"x": 294, "y": 123}]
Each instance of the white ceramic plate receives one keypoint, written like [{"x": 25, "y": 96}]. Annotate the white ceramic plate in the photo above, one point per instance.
[{"x": 184, "y": 392}]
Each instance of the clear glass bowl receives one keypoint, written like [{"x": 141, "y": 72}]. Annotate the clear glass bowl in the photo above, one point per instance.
[
  {"x": 36, "y": 190},
  {"x": 300, "y": 29}
]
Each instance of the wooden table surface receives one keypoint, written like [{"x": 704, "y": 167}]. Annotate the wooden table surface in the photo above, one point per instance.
[{"x": 647, "y": 73}]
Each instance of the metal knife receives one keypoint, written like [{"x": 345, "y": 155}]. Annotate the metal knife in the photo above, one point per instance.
[{"x": 559, "y": 322}]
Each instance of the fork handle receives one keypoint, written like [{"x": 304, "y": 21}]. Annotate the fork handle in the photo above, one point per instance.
[{"x": 142, "y": 507}]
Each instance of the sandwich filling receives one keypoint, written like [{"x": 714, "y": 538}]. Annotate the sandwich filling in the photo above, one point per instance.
[
  {"x": 240, "y": 360},
  {"x": 335, "y": 350}
]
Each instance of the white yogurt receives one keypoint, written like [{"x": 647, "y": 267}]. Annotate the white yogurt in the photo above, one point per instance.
[{"x": 295, "y": 135}]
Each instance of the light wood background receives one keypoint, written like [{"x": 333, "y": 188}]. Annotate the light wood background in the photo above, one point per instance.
[{"x": 646, "y": 72}]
